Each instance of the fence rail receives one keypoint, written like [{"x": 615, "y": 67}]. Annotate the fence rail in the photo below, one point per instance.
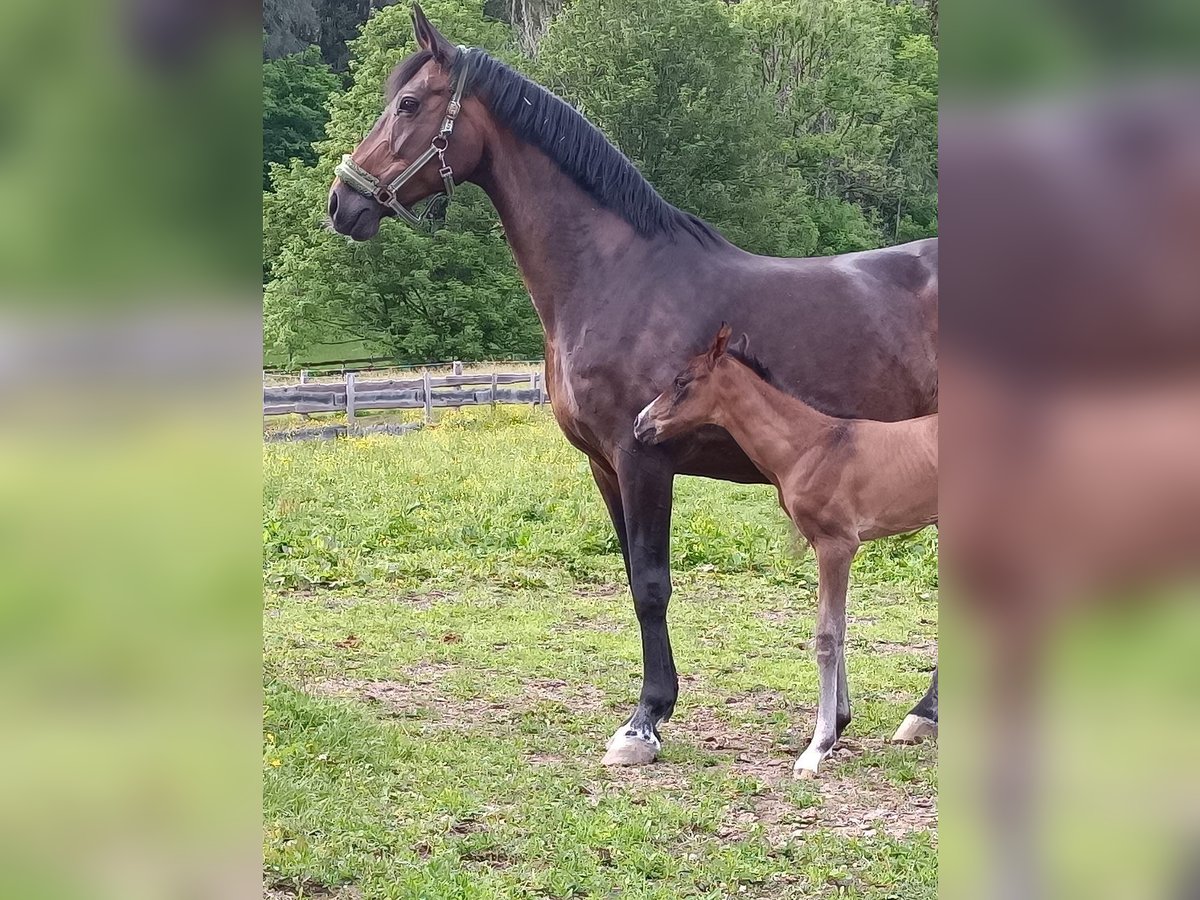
[{"x": 428, "y": 392}]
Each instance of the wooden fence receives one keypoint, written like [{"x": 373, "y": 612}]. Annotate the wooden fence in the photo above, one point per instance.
[{"x": 429, "y": 392}]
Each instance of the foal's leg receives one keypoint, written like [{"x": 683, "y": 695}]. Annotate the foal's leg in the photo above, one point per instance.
[
  {"x": 646, "y": 481},
  {"x": 833, "y": 565},
  {"x": 922, "y": 721}
]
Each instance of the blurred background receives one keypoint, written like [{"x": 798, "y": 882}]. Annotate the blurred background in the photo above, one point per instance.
[
  {"x": 130, "y": 164},
  {"x": 1069, "y": 187}
]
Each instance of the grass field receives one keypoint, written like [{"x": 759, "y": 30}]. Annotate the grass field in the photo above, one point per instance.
[{"x": 449, "y": 641}]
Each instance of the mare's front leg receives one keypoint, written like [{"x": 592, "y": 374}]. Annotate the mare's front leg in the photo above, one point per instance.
[
  {"x": 646, "y": 479},
  {"x": 922, "y": 720},
  {"x": 833, "y": 568}
]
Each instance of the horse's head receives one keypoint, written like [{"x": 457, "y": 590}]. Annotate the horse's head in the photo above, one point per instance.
[
  {"x": 427, "y": 139},
  {"x": 691, "y": 400}
]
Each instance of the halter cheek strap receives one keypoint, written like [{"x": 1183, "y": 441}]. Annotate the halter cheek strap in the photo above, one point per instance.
[{"x": 359, "y": 179}]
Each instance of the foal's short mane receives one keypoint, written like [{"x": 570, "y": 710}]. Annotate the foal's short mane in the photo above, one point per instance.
[
  {"x": 754, "y": 364},
  {"x": 579, "y": 148}
]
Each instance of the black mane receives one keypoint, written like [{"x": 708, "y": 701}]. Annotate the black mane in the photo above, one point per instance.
[
  {"x": 581, "y": 150},
  {"x": 754, "y": 364}
]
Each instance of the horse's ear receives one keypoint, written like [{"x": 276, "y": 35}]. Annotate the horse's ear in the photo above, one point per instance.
[
  {"x": 741, "y": 346},
  {"x": 719, "y": 344},
  {"x": 429, "y": 38}
]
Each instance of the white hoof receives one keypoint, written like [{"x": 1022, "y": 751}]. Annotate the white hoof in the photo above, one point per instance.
[
  {"x": 631, "y": 748},
  {"x": 807, "y": 765},
  {"x": 914, "y": 729}
]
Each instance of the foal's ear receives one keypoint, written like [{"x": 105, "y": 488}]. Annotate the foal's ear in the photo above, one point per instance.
[
  {"x": 429, "y": 38},
  {"x": 741, "y": 346},
  {"x": 719, "y": 343}
]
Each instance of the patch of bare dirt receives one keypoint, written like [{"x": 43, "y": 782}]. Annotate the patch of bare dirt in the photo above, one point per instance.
[
  {"x": 598, "y": 590},
  {"x": 857, "y": 804},
  {"x": 306, "y": 889},
  {"x": 788, "y": 618},
  {"x": 854, "y": 805},
  {"x": 421, "y": 696},
  {"x": 860, "y": 803},
  {"x": 923, "y": 646},
  {"x": 427, "y": 600},
  {"x": 580, "y": 623},
  {"x": 576, "y": 696}
]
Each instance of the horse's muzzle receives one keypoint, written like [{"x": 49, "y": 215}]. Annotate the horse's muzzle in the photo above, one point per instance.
[{"x": 644, "y": 428}]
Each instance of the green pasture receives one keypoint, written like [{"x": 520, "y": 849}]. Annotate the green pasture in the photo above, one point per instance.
[{"x": 448, "y": 642}]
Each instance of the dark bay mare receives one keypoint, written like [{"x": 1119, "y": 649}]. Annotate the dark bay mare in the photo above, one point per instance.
[{"x": 626, "y": 287}]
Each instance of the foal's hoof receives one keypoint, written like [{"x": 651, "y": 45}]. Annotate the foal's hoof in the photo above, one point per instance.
[
  {"x": 802, "y": 774},
  {"x": 914, "y": 729},
  {"x": 629, "y": 748}
]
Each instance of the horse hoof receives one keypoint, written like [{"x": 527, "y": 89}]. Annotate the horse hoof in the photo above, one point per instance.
[
  {"x": 803, "y": 774},
  {"x": 630, "y": 750},
  {"x": 914, "y": 729}
]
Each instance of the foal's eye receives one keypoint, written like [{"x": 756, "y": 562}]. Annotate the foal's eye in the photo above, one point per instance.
[
  {"x": 408, "y": 105},
  {"x": 680, "y": 383}
]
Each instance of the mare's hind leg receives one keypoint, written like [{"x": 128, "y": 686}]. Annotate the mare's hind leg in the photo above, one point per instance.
[
  {"x": 645, "y": 479},
  {"x": 833, "y": 564},
  {"x": 922, "y": 721}
]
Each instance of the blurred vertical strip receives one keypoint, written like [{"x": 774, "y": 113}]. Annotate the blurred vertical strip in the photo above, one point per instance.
[
  {"x": 130, "y": 343},
  {"x": 1069, "y": 189}
]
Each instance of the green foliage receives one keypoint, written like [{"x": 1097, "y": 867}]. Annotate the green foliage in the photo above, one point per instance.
[
  {"x": 296, "y": 90},
  {"x": 671, "y": 84},
  {"x": 855, "y": 83}
]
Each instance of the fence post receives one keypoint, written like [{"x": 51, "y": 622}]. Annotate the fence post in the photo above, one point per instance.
[
  {"x": 304, "y": 376},
  {"x": 349, "y": 400},
  {"x": 428, "y": 397},
  {"x": 533, "y": 388},
  {"x": 493, "y": 390},
  {"x": 457, "y": 367},
  {"x": 542, "y": 387}
]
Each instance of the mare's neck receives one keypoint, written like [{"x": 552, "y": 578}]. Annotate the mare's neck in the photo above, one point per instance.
[
  {"x": 774, "y": 429},
  {"x": 564, "y": 242}
]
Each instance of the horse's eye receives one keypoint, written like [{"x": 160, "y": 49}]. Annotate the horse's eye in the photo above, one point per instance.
[
  {"x": 408, "y": 105},
  {"x": 680, "y": 383}
]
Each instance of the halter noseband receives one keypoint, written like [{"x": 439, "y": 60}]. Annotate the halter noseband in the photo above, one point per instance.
[{"x": 359, "y": 179}]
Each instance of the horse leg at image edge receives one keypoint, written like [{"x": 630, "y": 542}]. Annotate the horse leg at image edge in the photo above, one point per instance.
[
  {"x": 645, "y": 485},
  {"x": 922, "y": 721}
]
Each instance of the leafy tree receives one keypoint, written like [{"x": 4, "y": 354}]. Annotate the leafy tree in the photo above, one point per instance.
[
  {"x": 672, "y": 84},
  {"x": 296, "y": 91},
  {"x": 288, "y": 26},
  {"x": 855, "y": 82},
  {"x": 340, "y": 22}
]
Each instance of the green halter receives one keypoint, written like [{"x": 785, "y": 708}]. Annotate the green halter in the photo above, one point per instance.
[{"x": 355, "y": 176}]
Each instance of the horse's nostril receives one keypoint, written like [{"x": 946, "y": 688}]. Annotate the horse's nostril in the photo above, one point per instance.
[{"x": 333, "y": 204}]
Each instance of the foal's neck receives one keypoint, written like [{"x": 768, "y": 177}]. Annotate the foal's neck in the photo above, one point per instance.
[{"x": 773, "y": 428}]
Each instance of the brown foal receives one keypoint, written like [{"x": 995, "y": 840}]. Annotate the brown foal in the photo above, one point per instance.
[{"x": 841, "y": 481}]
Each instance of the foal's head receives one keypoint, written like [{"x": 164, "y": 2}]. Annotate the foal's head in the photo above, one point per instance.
[{"x": 691, "y": 400}]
